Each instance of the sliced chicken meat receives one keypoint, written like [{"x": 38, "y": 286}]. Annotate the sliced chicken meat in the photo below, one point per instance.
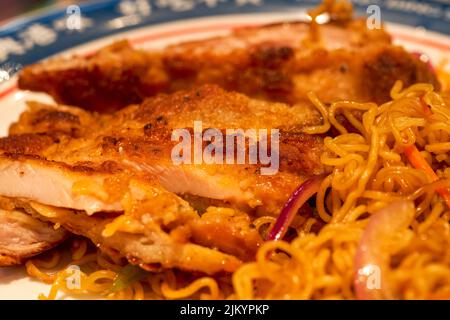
[
  {"x": 23, "y": 236},
  {"x": 54, "y": 183}
]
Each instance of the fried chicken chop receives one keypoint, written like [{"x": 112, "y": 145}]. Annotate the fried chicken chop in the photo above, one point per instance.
[
  {"x": 111, "y": 177},
  {"x": 138, "y": 139},
  {"x": 279, "y": 62}
]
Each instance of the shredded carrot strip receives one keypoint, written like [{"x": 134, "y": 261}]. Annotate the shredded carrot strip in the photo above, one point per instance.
[
  {"x": 426, "y": 108},
  {"x": 419, "y": 162}
]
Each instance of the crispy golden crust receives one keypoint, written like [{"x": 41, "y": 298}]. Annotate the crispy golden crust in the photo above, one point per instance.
[
  {"x": 143, "y": 132},
  {"x": 55, "y": 121},
  {"x": 387, "y": 65},
  {"x": 114, "y": 77},
  {"x": 280, "y": 62},
  {"x": 29, "y": 143},
  {"x": 87, "y": 168},
  {"x": 7, "y": 261},
  {"x": 276, "y": 62},
  {"x": 217, "y": 108}
]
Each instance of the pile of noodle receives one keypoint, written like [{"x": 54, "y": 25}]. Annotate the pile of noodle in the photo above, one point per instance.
[{"x": 368, "y": 171}]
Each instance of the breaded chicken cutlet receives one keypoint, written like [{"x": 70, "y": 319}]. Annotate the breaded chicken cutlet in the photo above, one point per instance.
[
  {"x": 84, "y": 171},
  {"x": 278, "y": 62}
]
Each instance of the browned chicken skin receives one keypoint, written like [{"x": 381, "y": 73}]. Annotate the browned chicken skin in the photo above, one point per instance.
[
  {"x": 277, "y": 62},
  {"x": 114, "y": 77}
]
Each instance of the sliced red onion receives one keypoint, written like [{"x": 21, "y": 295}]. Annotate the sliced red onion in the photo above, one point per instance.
[
  {"x": 305, "y": 191},
  {"x": 371, "y": 260}
]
